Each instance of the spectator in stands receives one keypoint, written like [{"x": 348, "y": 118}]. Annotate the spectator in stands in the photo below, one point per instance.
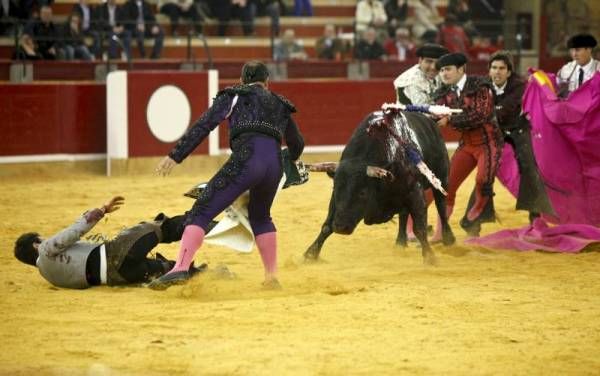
[
  {"x": 87, "y": 15},
  {"x": 110, "y": 23},
  {"x": 396, "y": 11},
  {"x": 27, "y": 49},
  {"x": 302, "y": 8},
  {"x": 270, "y": 8},
  {"x": 401, "y": 47},
  {"x": 426, "y": 22},
  {"x": 369, "y": 48},
  {"x": 329, "y": 46},
  {"x": 371, "y": 13},
  {"x": 488, "y": 17},
  {"x": 44, "y": 33},
  {"x": 453, "y": 36},
  {"x": 462, "y": 13},
  {"x": 11, "y": 12},
  {"x": 141, "y": 23},
  {"x": 176, "y": 9},
  {"x": 224, "y": 10},
  {"x": 482, "y": 48},
  {"x": 72, "y": 44},
  {"x": 20, "y": 10},
  {"x": 289, "y": 48}
]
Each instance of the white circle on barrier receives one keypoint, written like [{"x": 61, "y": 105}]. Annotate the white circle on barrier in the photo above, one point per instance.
[{"x": 168, "y": 113}]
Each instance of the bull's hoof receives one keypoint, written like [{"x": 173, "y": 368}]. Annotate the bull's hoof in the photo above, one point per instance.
[
  {"x": 430, "y": 259},
  {"x": 401, "y": 242},
  {"x": 448, "y": 239},
  {"x": 310, "y": 256}
]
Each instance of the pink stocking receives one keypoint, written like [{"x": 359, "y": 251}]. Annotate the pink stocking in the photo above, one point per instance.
[
  {"x": 190, "y": 243},
  {"x": 267, "y": 246}
]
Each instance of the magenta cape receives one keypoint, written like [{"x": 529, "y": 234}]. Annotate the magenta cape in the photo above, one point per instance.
[
  {"x": 566, "y": 142},
  {"x": 539, "y": 236}
]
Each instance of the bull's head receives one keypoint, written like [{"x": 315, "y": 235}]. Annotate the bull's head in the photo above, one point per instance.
[
  {"x": 359, "y": 192},
  {"x": 350, "y": 195}
]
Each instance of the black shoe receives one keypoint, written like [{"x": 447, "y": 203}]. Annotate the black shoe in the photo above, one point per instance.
[
  {"x": 160, "y": 217},
  {"x": 471, "y": 227},
  {"x": 533, "y": 216},
  {"x": 172, "y": 228},
  {"x": 195, "y": 270},
  {"x": 166, "y": 263},
  {"x": 168, "y": 280},
  {"x": 161, "y": 258}
]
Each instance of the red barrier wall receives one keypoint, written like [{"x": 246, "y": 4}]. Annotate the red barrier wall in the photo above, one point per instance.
[
  {"x": 329, "y": 111},
  {"x": 71, "y": 118},
  {"x": 50, "y": 119}
]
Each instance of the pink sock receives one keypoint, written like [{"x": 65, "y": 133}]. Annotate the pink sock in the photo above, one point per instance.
[
  {"x": 190, "y": 242},
  {"x": 267, "y": 246}
]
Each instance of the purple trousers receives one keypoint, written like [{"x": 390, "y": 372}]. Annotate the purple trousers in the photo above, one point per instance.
[{"x": 254, "y": 165}]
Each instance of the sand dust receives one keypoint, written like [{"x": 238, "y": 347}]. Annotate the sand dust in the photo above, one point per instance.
[{"x": 367, "y": 307}]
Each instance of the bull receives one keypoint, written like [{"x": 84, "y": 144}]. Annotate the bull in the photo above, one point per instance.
[{"x": 374, "y": 180}]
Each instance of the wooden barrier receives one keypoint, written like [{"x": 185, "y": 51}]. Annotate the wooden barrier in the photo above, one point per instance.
[
  {"x": 52, "y": 119},
  {"x": 5, "y": 69},
  {"x": 71, "y": 118}
]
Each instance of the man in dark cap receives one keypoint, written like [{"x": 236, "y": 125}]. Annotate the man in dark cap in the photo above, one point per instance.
[
  {"x": 573, "y": 74},
  {"x": 480, "y": 142},
  {"x": 417, "y": 84}
]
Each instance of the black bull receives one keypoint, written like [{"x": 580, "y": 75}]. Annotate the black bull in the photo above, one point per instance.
[{"x": 376, "y": 198}]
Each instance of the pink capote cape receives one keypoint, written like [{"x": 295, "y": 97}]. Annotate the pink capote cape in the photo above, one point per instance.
[{"x": 566, "y": 142}]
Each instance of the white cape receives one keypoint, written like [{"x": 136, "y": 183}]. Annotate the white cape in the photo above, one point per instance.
[{"x": 234, "y": 230}]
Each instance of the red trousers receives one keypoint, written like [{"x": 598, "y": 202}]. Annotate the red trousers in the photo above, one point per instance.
[{"x": 485, "y": 157}]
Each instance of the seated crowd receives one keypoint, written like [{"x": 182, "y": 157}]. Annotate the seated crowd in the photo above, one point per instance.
[{"x": 383, "y": 29}]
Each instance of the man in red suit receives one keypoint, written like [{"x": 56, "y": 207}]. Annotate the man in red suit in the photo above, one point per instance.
[{"x": 480, "y": 141}]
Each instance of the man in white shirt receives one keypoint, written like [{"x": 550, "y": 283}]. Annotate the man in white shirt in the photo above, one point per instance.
[
  {"x": 417, "y": 84},
  {"x": 573, "y": 74}
]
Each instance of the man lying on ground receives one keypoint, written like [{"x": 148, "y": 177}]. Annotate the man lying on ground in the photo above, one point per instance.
[{"x": 66, "y": 261}]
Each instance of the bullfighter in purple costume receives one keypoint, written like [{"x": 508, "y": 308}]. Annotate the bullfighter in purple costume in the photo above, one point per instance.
[{"x": 258, "y": 121}]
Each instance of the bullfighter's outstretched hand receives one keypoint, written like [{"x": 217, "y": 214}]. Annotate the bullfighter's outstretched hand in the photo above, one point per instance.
[{"x": 165, "y": 166}]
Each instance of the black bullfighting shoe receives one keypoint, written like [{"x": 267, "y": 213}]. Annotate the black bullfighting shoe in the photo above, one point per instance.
[
  {"x": 169, "y": 279},
  {"x": 196, "y": 270},
  {"x": 471, "y": 227}
]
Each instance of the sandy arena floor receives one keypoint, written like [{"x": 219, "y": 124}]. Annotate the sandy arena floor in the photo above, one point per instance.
[{"x": 366, "y": 308}]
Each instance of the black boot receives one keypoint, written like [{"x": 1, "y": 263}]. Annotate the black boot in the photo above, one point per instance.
[
  {"x": 473, "y": 228},
  {"x": 166, "y": 263},
  {"x": 172, "y": 228},
  {"x": 533, "y": 216}
]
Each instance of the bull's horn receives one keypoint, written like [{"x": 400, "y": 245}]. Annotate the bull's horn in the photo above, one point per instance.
[
  {"x": 378, "y": 172},
  {"x": 322, "y": 166}
]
